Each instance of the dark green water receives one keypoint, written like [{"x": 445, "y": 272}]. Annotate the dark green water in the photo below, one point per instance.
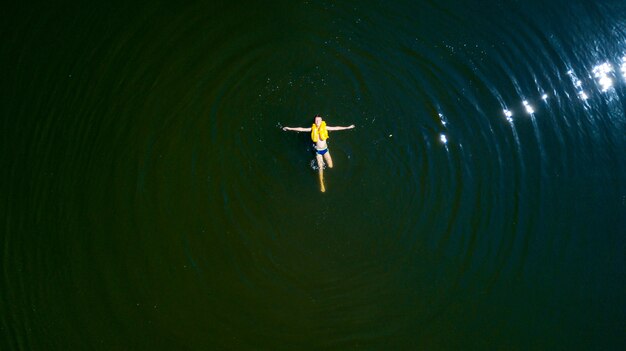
[{"x": 150, "y": 199}]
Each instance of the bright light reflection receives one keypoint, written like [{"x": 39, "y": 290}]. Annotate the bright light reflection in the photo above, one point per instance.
[
  {"x": 601, "y": 72},
  {"x": 442, "y": 119},
  {"x": 508, "y": 115},
  {"x": 578, "y": 84},
  {"x": 443, "y": 138},
  {"x": 529, "y": 108}
]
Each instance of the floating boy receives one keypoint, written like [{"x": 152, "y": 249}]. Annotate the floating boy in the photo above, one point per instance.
[{"x": 319, "y": 134}]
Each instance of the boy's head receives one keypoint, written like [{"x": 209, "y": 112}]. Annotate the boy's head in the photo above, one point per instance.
[{"x": 318, "y": 120}]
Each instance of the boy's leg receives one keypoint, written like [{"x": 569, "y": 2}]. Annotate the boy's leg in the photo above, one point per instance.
[
  {"x": 320, "y": 166},
  {"x": 328, "y": 159}
]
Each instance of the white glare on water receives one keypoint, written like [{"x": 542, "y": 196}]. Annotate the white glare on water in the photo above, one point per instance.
[
  {"x": 578, "y": 84},
  {"x": 442, "y": 119},
  {"x": 443, "y": 138},
  {"x": 529, "y": 108},
  {"x": 601, "y": 72},
  {"x": 508, "y": 115},
  {"x": 604, "y": 74}
]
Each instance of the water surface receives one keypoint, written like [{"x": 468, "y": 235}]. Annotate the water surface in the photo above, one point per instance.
[{"x": 152, "y": 201}]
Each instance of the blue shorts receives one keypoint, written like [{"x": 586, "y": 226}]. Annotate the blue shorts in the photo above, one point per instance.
[{"x": 321, "y": 152}]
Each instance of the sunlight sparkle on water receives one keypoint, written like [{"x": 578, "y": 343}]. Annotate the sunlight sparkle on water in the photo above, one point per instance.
[
  {"x": 623, "y": 68},
  {"x": 578, "y": 84},
  {"x": 442, "y": 119},
  {"x": 529, "y": 108},
  {"x": 508, "y": 115},
  {"x": 601, "y": 72},
  {"x": 443, "y": 138},
  {"x": 544, "y": 97}
]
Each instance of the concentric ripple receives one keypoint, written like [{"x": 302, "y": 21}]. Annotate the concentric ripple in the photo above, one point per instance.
[{"x": 153, "y": 200}]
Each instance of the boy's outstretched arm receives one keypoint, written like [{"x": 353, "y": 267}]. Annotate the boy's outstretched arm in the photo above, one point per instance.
[
  {"x": 297, "y": 129},
  {"x": 340, "y": 128}
]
